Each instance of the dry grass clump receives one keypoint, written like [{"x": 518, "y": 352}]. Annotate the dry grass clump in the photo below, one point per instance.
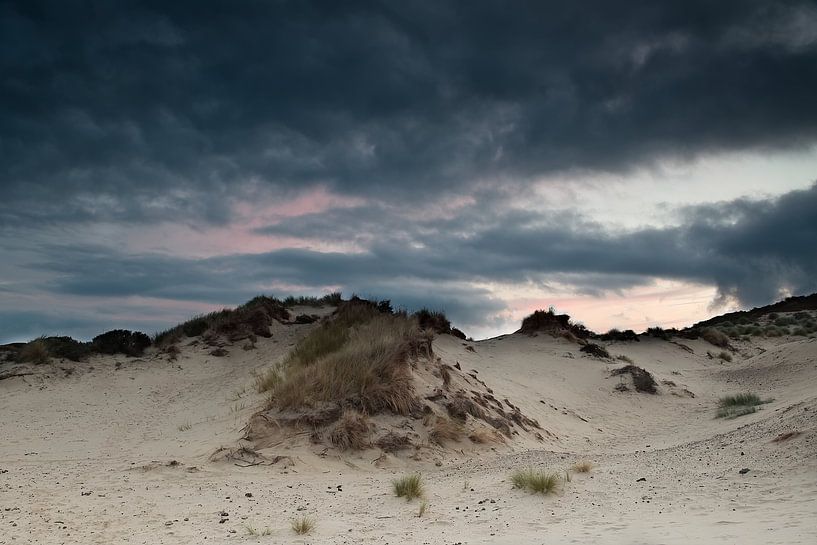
[
  {"x": 484, "y": 436},
  {"x": 303, "y": 525},
  {"x": 371, "y": 370},
  {"x": 422, "y": 510},
  {"x": 715, "y": 337},
  {"x": 434, "y": 320},
  {"x": 393, "y": 442},
  {"x": 408, "y": 486},
  {"x": 582, "y": 467},
  {"x": 725, "y": 356},
  {"x": 536, "y": 482},
  {"x": 444, "y": 429},
  {"x": 351, "y": 432},
  {"x": 34, "y": 352},
  {"x": 267, "y": 380},
  {"x": 739, "y": 405}
]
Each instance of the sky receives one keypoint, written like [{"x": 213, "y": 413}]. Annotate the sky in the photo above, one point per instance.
[{"x": 630, "y": 163}]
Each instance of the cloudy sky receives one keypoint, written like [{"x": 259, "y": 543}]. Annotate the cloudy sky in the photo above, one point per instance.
[{"x": 631, "y": 163}]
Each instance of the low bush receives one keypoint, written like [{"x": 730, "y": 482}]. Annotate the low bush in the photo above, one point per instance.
[
  {"x": 35, "y": 352},
  {"x": 643, "y": 380},
  {"x": 595, "y": 350},
  {"x": 583, "y": 466},
  {"x": 658, "y": 333},
  {"x": 627, "y": 335},
  {"x": 725, "y": 356},
  {"x": 715, "y": 337},
  {"x": 434, "y": 320},
  {"x": 68, "y": 348},
  {"x": 121, "y": 341}
]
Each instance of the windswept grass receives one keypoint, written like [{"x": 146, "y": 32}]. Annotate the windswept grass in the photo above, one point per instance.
[
  {"x": 303, "y": 525},
  {"x": 351, "y": 432},
  {"x": 409, "y": 487},
  {"x": 536, "y": 482},
  {"x": 371, "y": 370},
  {"x": 739, "y": 405},
  {"x": 423, "y": 509}
]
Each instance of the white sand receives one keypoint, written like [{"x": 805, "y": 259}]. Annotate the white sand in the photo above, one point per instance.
[{"x": 84, "y": 458}]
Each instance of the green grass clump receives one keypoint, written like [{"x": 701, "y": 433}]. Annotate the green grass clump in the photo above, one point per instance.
[
  {"x": 409, "y": 487},
  {"x": 303, "y": 525},
  {"x": 536, "y": 482},
  {"x": 739, "y": 405}
]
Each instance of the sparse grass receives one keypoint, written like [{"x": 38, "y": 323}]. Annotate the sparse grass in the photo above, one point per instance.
[
  {"x": 186, "y": 426},
  {"x": 303, "y": 525},
  {"x": 423, "y": 509},
  {"x": 267, "y": 380},
  {"x": 725, "y": 356},
  {"x": 408, "y": 486},
  {"x": 625, "y": 359},
  {"x": 642, "y": 379},
  {"x": 738, "y": 405},
  {"x": 536, "y": 482},
  {"x": 583, "y": 466},
  {"x": 251, "y": 531}
]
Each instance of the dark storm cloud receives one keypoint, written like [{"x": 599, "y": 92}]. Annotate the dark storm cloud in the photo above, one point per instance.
[
  {"x": 751, "y": 250},
  {"x": 146, "y": 111}
]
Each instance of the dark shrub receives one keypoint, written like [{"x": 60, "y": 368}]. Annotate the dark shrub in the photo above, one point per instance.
[
  {"x": 642, "y": 379},
  {"x": 195, "y": 327},
  {"x": 306, "y": 319},
  {"x": 715, "y": 337},
  {"x": 68, "y": 348},
  {"x": 658, "y": 333},
  {"x": 433, "y": 320},
  {"x": 595, "y": 350},
  {"x": 616, "y": 335},
  {"x": 784, "y": 321},
  {"x": 802, "y": 315},
  {"x": 550, "y": 322},
  {"x": 457, "y": 333},
  {"x": 121, "y": 341}
]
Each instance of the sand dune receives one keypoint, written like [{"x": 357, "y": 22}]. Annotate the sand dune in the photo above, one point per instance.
[{"x": 121, "y": 450}]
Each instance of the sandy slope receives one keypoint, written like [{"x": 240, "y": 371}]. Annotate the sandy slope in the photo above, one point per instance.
[{"x": 86, "y": 458}]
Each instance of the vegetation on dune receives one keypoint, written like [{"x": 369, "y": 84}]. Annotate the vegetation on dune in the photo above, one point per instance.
[
  {"x": 739, "y": 405},
  {"x": 408, "y": 486},
  {"x": 351, "y": 432},
  {"x": 643, "y": 380},
  {"x": 303, "y": 525},
  {"x": 595, "y": 350},
  {"x": 715, "y": 337},
  {"x": 121, "y": 341},
  {"x": 359, "y": 359},
  {"x": 534, "y": 481},
  {"x": 583, "y": 466},
  {"x": 35, "y": 352},
  {"x": 549, "y": 322}
]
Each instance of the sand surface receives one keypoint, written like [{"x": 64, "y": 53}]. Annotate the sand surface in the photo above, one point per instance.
[{"x": 119, "y": 450}]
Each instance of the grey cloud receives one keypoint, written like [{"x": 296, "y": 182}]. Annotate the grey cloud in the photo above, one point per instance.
[
  {"x": 141, "y": 111},
  {"x": 752, "y": 251}
]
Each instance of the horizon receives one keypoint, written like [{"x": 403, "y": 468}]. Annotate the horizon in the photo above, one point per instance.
[{"x": 630, "y": 167}]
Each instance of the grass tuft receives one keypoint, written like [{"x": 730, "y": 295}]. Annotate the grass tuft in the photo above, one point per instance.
[
  {"x": 303, "y": 525},
  {"x": 351, "y": 432},
  {"x": 739, "y": 405},
  {"x": 536, "y": 482},
  {"x": 582, "y": 467},
  {"x": 409, "y": 487},
  {"x": 423, "y": 509}
]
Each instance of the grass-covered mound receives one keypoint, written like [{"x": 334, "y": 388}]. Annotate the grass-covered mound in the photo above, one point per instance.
[
  {"x": 547, "y": 321},
  {"x": 355, "y": 371}
]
